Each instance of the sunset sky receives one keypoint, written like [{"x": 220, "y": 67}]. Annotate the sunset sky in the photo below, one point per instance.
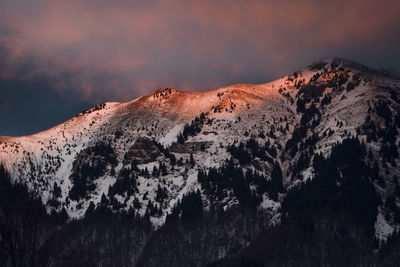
[{"x": 59, "y": 57}]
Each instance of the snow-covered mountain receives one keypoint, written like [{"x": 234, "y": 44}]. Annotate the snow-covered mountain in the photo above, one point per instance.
[{"x": 156, "y": 148}]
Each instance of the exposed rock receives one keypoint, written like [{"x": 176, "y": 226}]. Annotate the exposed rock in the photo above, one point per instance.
[
  {"x": 190, "y": 147},
  {"x": 143, "y": 151}
]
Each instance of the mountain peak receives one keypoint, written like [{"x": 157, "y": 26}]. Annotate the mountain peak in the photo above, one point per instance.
[
  {"x": 166, "y": 91},
  {"x": 332, "y": 63},
  {"x": 337, "y": 63}
]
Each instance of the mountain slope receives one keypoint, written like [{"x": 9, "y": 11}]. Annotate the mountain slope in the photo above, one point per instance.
[{"x": 143, "y": 156}]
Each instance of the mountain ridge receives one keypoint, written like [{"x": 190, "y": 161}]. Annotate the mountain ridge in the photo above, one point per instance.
[{"x": 237, "y": 86}]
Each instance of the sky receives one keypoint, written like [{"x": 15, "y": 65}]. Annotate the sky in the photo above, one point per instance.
[{"x": 60, "y": 57}]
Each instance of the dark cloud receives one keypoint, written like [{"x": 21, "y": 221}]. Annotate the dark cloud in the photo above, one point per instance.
[{"x": 117, "y": 50}]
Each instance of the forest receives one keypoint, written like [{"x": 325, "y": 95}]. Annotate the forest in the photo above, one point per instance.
[{"x": 327, "y": 220}]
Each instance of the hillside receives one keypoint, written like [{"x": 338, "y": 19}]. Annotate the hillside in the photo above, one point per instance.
[{"x": 324, "y": 137}]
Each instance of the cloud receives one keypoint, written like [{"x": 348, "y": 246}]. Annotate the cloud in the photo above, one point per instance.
[
  {"x": 121, "y": 49},
  {"x": 4, "y": 106}
]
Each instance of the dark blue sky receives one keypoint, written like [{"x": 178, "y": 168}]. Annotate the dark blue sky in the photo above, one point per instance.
[
  {"x": 29, "y": 107},
  {"x": 59, "y": 57}
]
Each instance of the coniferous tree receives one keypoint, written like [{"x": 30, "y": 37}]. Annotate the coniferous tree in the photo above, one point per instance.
[
  {"x": 192, "y": 206},
  {"x": 277, "y": 178},
  {"x": 192, "y": 162}
]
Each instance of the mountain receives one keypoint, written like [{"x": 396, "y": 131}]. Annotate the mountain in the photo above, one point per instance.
[{"x": 324, "y": 138}]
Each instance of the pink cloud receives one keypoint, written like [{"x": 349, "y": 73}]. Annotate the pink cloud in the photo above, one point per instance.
[{"x": 125, "y": 48}]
